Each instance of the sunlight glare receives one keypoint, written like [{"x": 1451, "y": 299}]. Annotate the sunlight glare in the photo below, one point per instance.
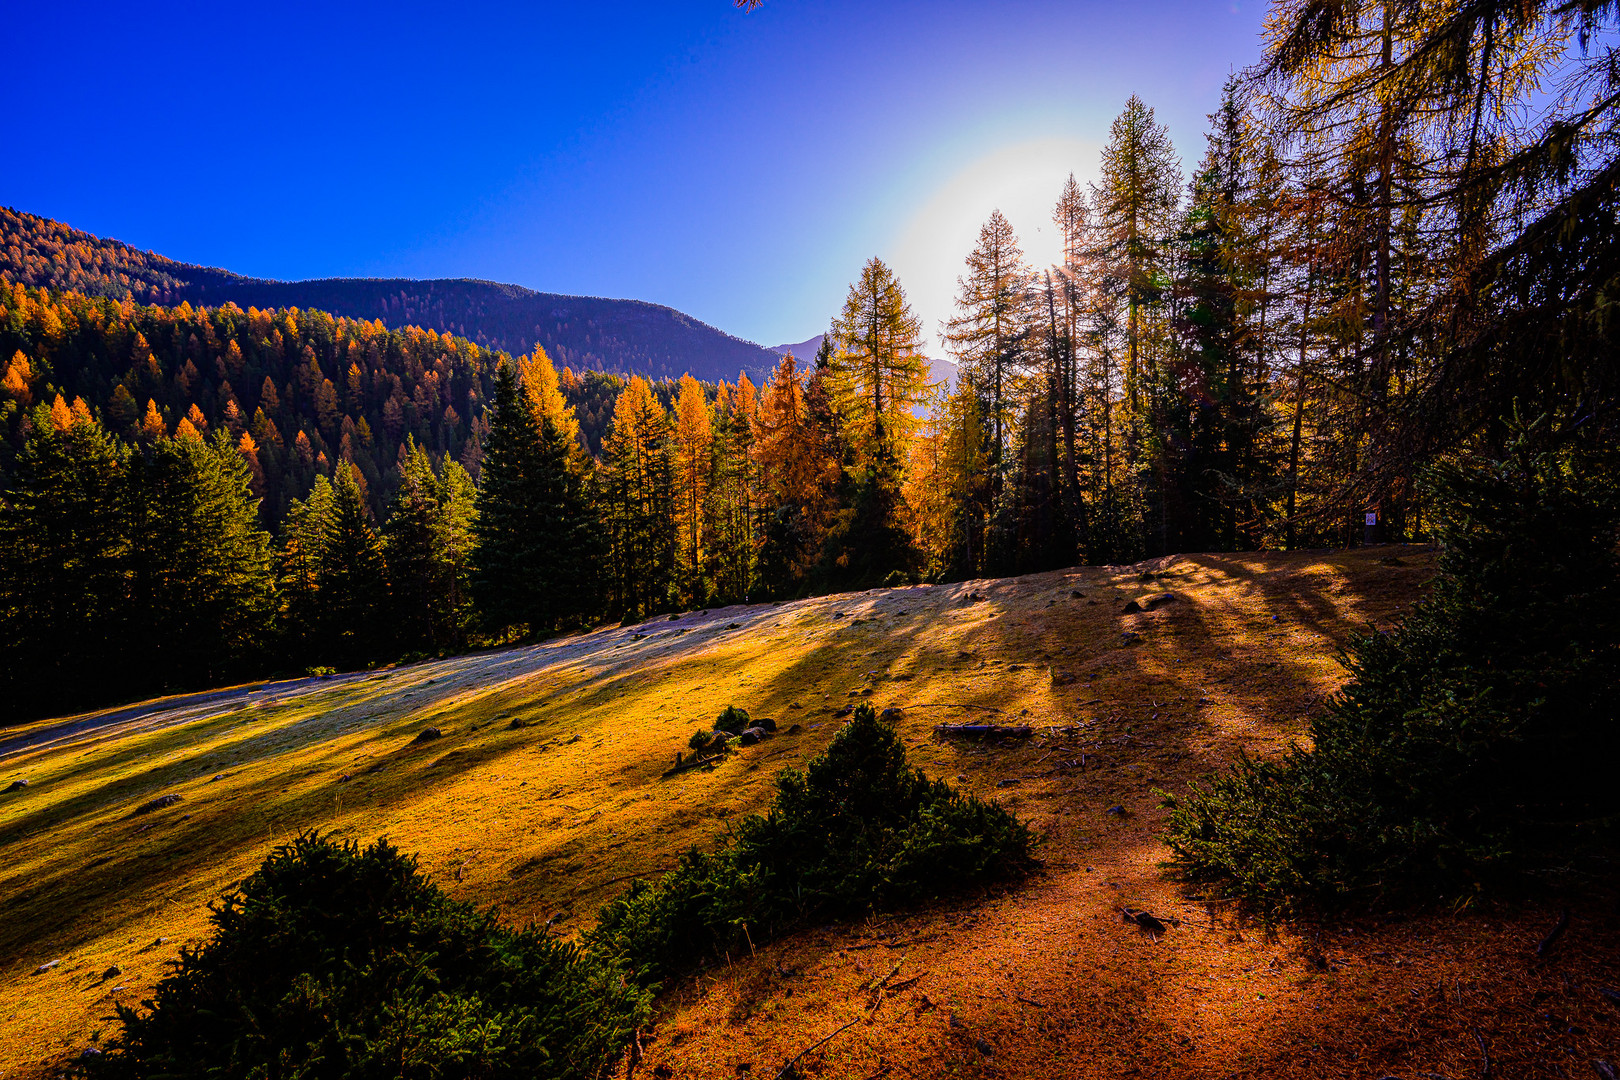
[{"x": 1022, "y": 180}]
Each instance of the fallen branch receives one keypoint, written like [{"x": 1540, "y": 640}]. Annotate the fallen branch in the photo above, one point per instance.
[
  {"x": 869, "y": 984},
  {"x": 1553, "y": 935},
  {"x": 692, "y": 763},
  {"x": 790, "y": 1067},
  {"x": 1027, "y": 1001},
  {"x": 1485, "y": 1055}
]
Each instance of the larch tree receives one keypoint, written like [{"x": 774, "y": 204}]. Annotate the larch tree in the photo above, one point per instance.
[
  {"x": 1134, "y": 204},
  {"x": 693, "y": 465},
  {"x": 990, "y": 334},
  {"x": 878, "y": 372},
  {"x": 635, "y": 490}
]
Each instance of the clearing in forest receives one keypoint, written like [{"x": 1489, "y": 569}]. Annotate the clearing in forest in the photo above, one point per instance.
[{"x": 546, "y": 790}]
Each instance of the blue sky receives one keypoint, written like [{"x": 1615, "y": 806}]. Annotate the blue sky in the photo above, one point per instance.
[{"x": 738, "y": 166}]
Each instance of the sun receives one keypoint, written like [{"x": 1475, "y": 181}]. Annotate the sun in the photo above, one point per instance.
[{"x": 1022, "y": 180}]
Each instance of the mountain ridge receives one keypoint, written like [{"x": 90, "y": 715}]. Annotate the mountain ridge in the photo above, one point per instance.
[{"x": 584, "y": 332}]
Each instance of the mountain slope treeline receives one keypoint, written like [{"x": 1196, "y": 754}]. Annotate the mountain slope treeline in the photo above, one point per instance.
[
  {"x": 296, "y": 390},
  {"x": 582, "y": 332}
]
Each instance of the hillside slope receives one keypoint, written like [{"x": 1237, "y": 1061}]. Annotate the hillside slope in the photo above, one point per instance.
[
  {"x": 546, "y": 792},
  {"x": 586, "y": 333}
]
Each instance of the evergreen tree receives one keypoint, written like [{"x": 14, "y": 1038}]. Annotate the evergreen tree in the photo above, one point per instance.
[
  {"x": 64, "y": 567},
  {"x": 353, "y": 581},
  {"x": 426, "y": 539},
  {"x": 201, "y": 564},
  {"x": 534, "y": 536},
  {"x": 303, "y": 542}
]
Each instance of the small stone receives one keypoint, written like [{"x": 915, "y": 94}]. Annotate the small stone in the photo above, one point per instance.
[
  {"x": 845, "y": 711},
  {"x": 750, "y": 736},
  {"x": 1115, "y": 811},
  {"x": 765, "y": 722},
  {"x": 43, "y": 968},
  {"x": 961, "y": 778},
  {"x": 733, "y": 625},
  {"x": 158, "y": 803},
  {"x": 672, "y": 618},
  {"x": 1076, "y": 594},
  {"x": 17, "y": 785},
  {"x": 217, "y": 776},
  {"x": 112, "y": 973},
  {"x": 89, "y": 1052},
  {"x": 1131, "y": 637},
  {"x": 984, "y": 1048},
  {"x": 891, "y": 715},
  {"x": 428, "y": 735},
  {"x": 343, "y": 779},
  {"x": 1007, "y": 782},
  {"x": 1132, "y": 608},
  {"x": 517, "y": 724}
]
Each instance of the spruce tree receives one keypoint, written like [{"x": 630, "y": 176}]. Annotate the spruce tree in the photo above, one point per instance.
[
  {"x": 353, "y": 583},
  {"x": 64, "y": 568},
  {"x": 201, "y": 564},
  {"x": 534, "y": 536}
]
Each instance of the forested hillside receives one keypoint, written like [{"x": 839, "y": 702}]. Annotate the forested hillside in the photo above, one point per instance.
[
  {"x": 586, "y": 333},
  {"x": 295, "y": 390}
]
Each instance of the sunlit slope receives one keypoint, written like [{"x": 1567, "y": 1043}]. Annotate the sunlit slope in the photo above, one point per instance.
[{"x": 546, "y": 791}]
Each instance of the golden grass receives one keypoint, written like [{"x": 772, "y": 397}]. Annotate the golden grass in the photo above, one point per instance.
[{"x": 548, "y": 819}]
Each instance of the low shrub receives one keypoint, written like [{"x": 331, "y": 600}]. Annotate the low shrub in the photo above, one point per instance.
[
  {"x": 857, "y": 830},
  {"x": 731, "y": 720},
  {"x": 334, "y": 961},
  {"x": 1477, "y": 737}
]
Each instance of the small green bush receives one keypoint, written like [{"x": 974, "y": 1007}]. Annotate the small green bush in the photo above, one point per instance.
[
  {"x": 732, "y": 720},
  {"x": 858, "y": 829},
  {"x": 1477, "y": 737},
  {"x": 334, "y": 961},
  {"x": 700, "y": 739}
]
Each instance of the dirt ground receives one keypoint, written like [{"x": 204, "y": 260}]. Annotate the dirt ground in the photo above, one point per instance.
[{"x": 546, "y": 793}]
